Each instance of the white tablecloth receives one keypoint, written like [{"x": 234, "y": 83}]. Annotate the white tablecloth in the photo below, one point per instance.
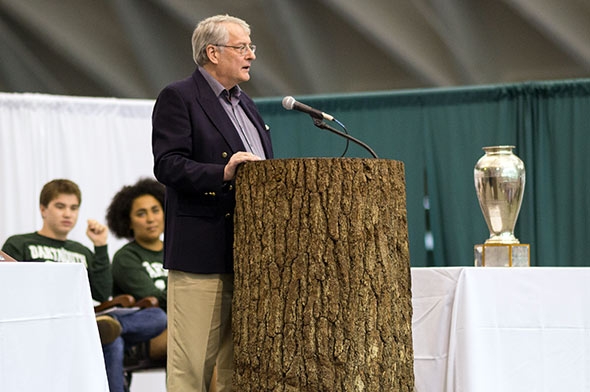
[
  {"x": 48, "y": 335},
  {"x": 501, "y": 329}
]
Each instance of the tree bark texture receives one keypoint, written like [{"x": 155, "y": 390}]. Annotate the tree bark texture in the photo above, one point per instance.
[{"x": 322, "y": 298}]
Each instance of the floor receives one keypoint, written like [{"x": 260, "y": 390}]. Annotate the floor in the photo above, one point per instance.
[
  {"x": 153, "y": 381},
  {"x": 149, "y": 381}
]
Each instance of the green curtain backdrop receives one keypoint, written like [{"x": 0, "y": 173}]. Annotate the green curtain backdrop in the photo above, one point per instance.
[{"x": 439, "y": 135}]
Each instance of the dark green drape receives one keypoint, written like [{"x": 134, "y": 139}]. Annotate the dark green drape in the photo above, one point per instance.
[
  {"x": 439, "y": 135},
  {"x": 555, "y": 134}
]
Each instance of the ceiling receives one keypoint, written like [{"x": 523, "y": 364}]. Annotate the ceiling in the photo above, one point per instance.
[{"x": 132, "y": 48}]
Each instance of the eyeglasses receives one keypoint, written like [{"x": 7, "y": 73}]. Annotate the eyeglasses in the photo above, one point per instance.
[{"x": 242, "y": 49}]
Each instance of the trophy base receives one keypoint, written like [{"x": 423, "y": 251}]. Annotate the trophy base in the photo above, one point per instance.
[{"x": 502, "y": 255}]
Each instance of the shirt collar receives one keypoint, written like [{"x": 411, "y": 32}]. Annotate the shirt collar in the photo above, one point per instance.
[{"x": 217, "y": 87}]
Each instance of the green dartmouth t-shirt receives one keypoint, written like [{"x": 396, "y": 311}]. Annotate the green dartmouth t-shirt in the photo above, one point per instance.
[
  {"x": 140, "y": 272},
  {"x": 35, "y": 247}
]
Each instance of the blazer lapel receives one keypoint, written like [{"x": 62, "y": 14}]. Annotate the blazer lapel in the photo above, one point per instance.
[
  {"x": 249, "y": 109},
  {"x": 216, "y": 113}
]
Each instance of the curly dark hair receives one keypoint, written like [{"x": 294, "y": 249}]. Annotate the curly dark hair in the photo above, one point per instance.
[{"x": 119, "y": 211}]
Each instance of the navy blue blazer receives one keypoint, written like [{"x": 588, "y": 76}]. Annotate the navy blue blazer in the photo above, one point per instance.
[{"x": 193, "y": 138}]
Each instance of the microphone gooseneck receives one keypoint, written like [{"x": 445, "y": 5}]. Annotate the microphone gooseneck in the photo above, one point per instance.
[{"x": 320, "y": 124}]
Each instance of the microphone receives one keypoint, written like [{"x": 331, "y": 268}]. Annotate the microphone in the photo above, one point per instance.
[{"x": 290, "y": 103}]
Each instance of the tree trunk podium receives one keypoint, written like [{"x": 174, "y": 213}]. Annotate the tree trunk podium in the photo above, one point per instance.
[{"x": 322, "y": 297}]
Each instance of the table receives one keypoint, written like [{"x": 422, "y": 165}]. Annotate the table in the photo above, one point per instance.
[
  {"x": 48, "y": 335},
  {"x": 501, "y": 329}
]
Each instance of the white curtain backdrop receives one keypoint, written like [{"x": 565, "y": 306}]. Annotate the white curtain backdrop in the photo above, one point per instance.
[{"x": 101, "y": 144}]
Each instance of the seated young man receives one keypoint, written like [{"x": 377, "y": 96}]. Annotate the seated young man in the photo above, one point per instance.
[{"x": 59, "y": 205}]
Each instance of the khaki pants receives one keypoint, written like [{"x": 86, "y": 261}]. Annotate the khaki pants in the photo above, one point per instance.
[{"x": 199, "y": 331}]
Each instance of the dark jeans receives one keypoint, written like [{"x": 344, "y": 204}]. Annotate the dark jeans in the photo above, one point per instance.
[{"x": 138, "y": 327}]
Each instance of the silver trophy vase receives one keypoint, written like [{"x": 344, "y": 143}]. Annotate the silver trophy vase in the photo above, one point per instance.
[{"x": 499, "y": 178}]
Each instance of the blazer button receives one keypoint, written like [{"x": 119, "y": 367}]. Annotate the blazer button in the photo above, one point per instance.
[
  {"x": 231, "y": 187},
  {"x": 224, "y": 154},
  {"x": 227, "y": 215}
]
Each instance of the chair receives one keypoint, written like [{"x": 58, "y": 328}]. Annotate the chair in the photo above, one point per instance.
[{"x": 146, "y": 355}]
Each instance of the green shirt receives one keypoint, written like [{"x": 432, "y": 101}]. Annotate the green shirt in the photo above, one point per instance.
[
  {"x": 35, "y": 247},
  {"x": 140, "y": 272}
]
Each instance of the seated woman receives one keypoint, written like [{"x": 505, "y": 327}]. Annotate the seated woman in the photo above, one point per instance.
[{"x": 136, "y": 213}]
